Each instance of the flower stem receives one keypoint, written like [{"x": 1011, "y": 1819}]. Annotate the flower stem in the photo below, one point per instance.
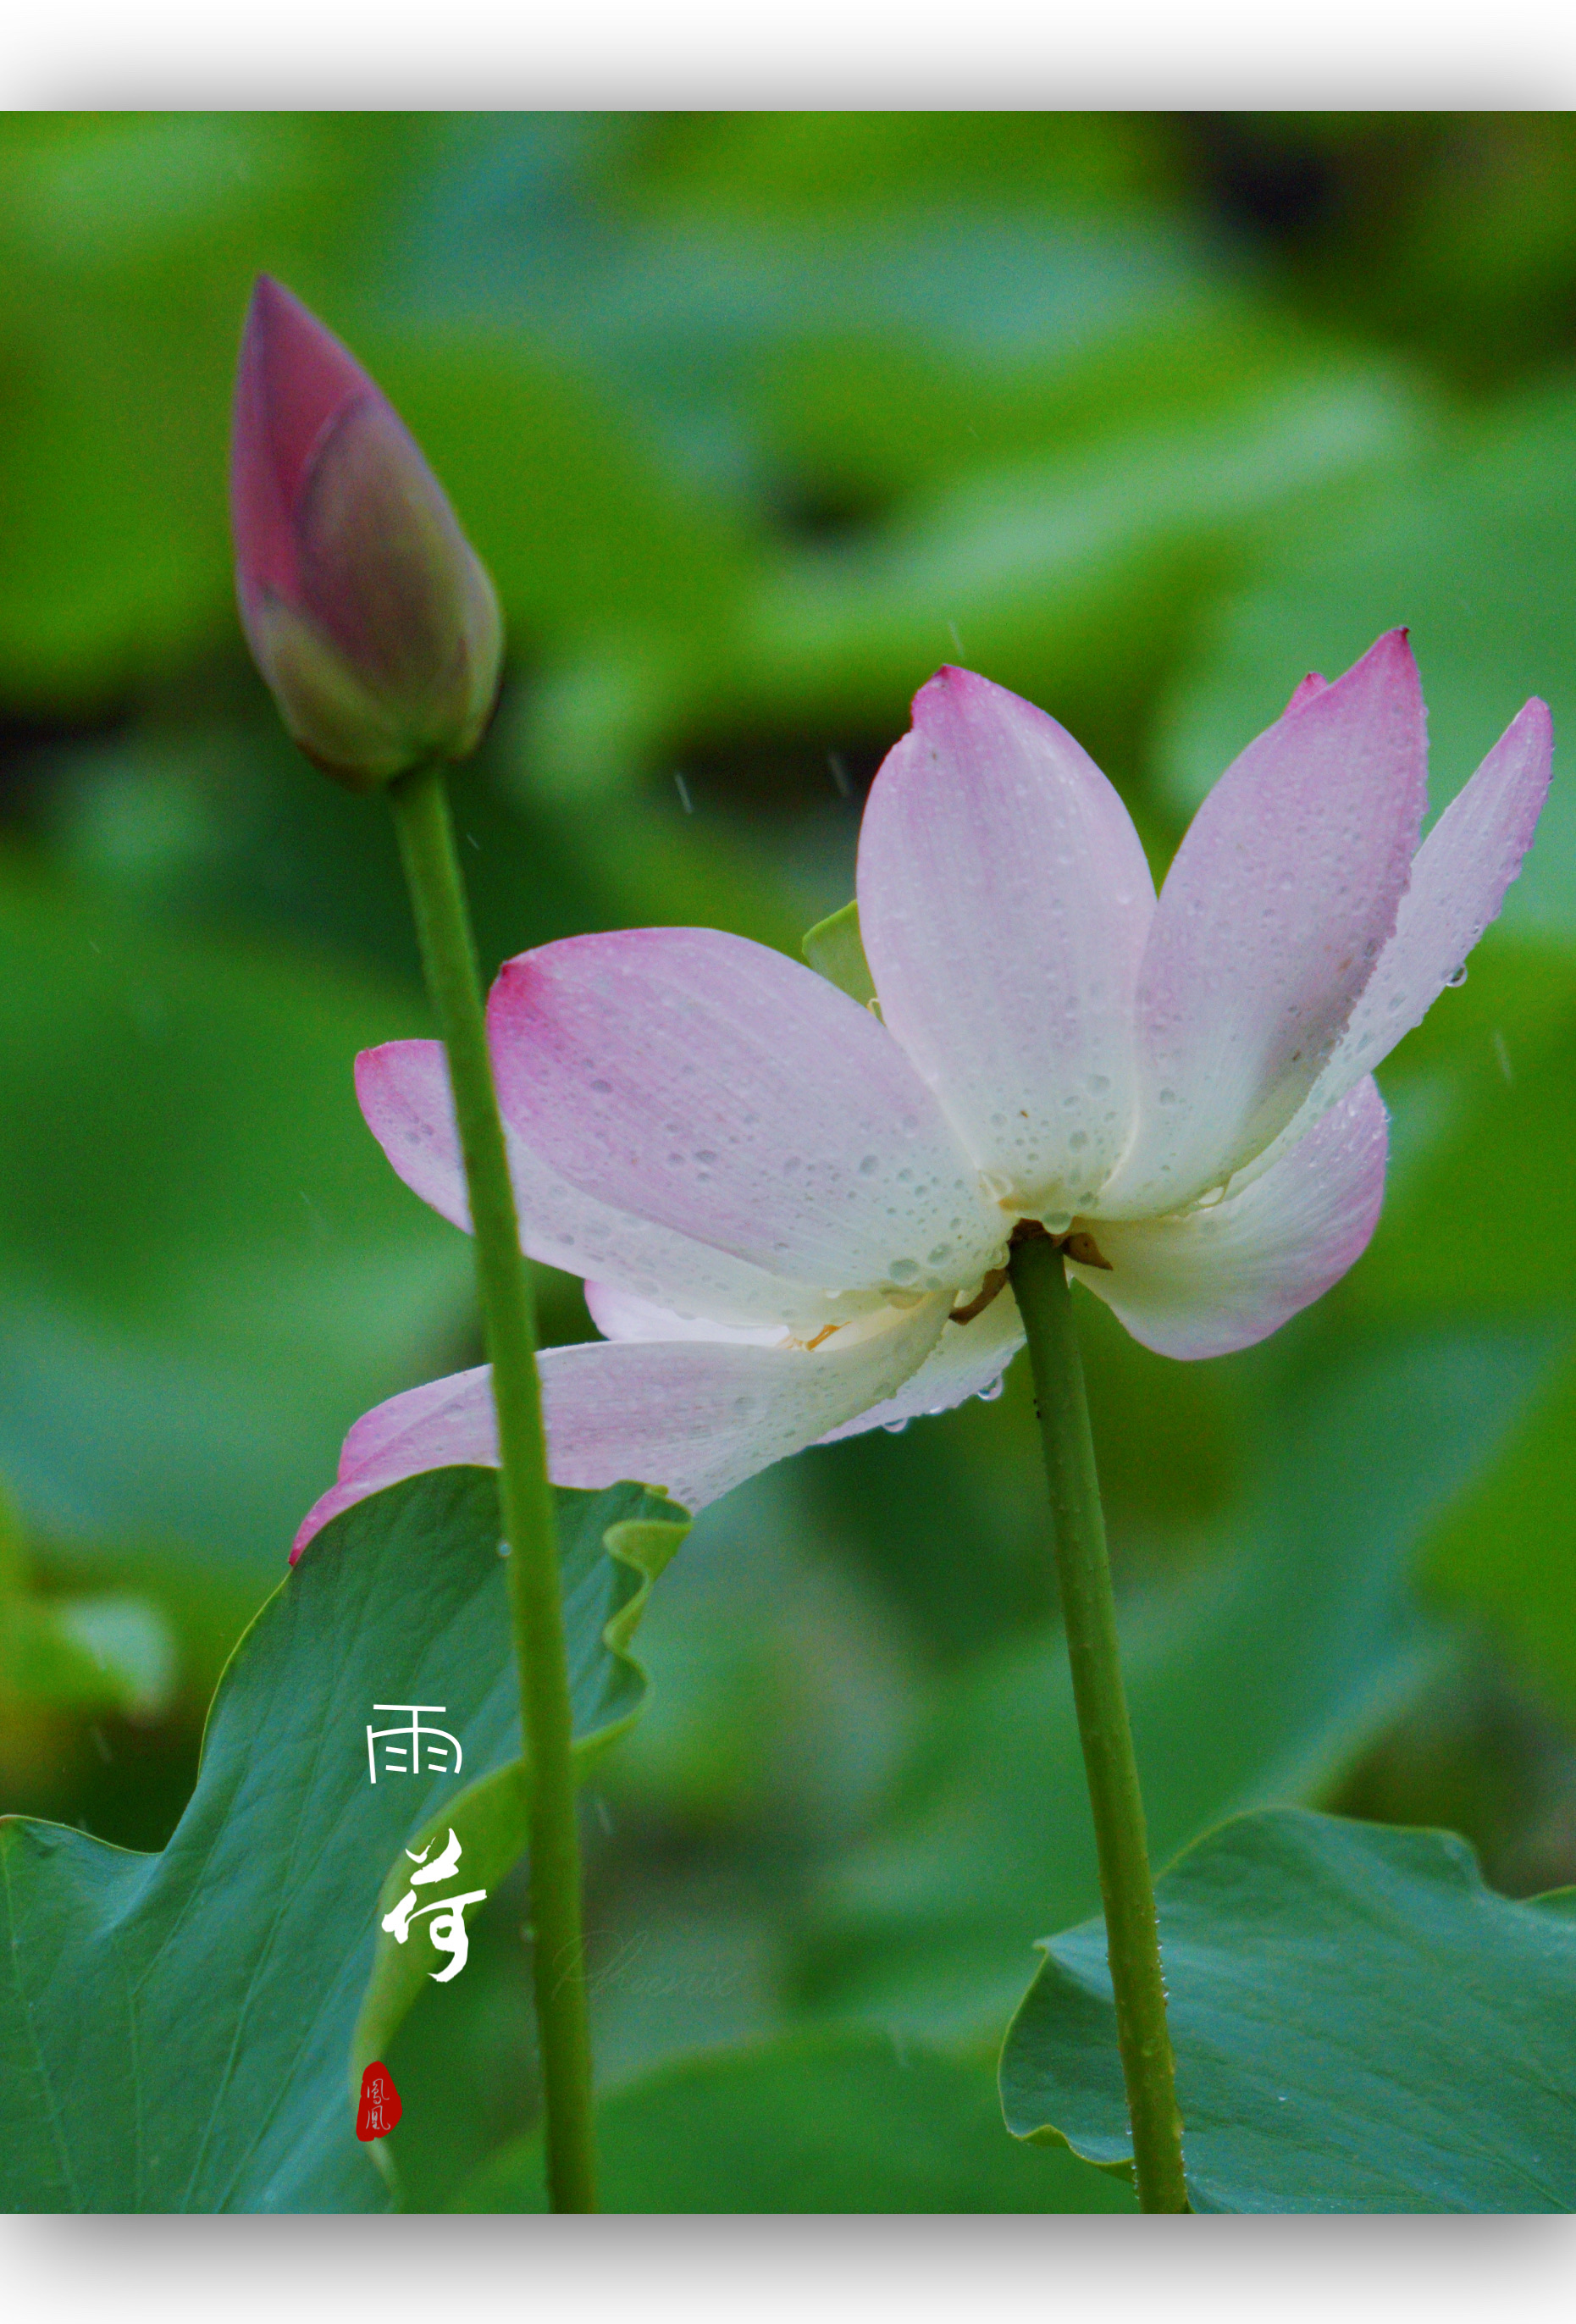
[
  {"x": 1132, "y": 1936},
  {"x": 422, "y": 816}
]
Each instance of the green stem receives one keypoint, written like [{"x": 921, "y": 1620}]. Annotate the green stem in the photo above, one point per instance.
[
  {"x": 1132, "y": 1936},
  {"x": 422, "y": 816}
]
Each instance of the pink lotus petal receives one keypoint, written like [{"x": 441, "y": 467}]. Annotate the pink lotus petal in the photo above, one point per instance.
[
  {"x": 698, "y": 1417},
  {"x": 694, "y": 1417},
  {"x": 403, "y": 1090},
  {"x": 621, "y": 1316},
  {"x": 725, "y": 1094},
  {"x": 1460, "y": 876},
  {"x": 1282, "y": 898},
  {"x": 404, "y": 1093},
  {"x": 968, "y": 1360},
  {"x": 1004, "y": 900},
  {"x": 1223, "y": 1276},
  {"x": 443, "y": 1423},
  {"x": 1305, "y": 690}
]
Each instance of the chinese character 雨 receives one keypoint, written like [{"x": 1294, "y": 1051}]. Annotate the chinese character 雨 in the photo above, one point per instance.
[
  {"x": 447, "y": 1929},
  {"x": 415, "y": 1749}
]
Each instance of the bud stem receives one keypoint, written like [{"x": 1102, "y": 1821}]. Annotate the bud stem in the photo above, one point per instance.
[
  {"x": 426, "y": 831},
  {"x": 1132, "y": 1936}
]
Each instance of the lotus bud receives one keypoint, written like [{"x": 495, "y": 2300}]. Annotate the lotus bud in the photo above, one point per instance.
[{"x": 367, "y": 609}]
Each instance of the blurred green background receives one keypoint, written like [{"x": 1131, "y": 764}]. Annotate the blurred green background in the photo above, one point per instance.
[{"x": 757, "y": 417}]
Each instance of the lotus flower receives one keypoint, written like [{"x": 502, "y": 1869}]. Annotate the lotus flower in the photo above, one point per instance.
[
  {"x": 367, "y": 609},
  {"x": 792, "y": 1214}
]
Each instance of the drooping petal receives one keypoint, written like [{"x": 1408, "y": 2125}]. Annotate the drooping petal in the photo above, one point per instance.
[
  {"x": 968, "y": 1360},
  {"x": 443, "y": 1423},
  {"x": 700, "y": 1417},
  {"x": 621, "y": 1316},
  {"x": 1282, "y": 897},
  {"x": 1460, "y": 876},
  {"x": 693, "y": 1417},
  {"x": 1004, "y": 899},
  {"x": 1225, "y": 1275},
  {"x": 403, "y": 1088},
  {"x": 728, "y": 1094}
]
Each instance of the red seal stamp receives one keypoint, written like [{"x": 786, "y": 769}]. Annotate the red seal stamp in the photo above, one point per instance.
[{"x": 380, "y": 2108}]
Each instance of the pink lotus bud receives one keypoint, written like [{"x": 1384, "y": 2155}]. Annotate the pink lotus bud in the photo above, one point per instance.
[{"x": 367, "y": 609}]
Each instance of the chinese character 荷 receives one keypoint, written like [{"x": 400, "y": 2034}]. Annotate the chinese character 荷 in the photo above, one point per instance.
[{"x": 448, "y": 1928}]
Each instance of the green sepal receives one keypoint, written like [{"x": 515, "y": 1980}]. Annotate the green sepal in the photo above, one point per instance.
[{"x": 835, "y": 949}]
